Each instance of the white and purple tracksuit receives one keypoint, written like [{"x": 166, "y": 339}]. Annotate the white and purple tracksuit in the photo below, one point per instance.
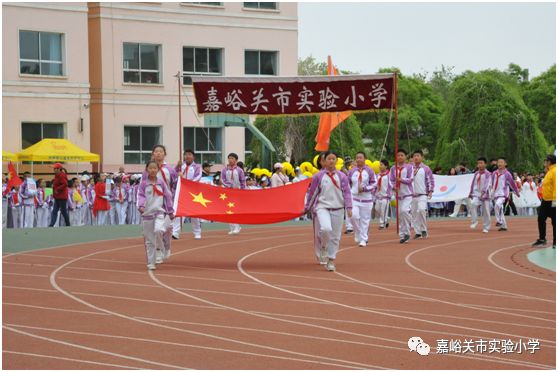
[
  {"x": 120, "y": 197},
  {"x": 404, "y": 196},
  {"x": 480, "y": 195},
  {"x": 501, "y": 183},
  {"x": 363, "y": 201},
  {"x": 233, "y": 178},
  {"x": 27, "y": 192},
  {"x": 156, "y": 199},
  {"x": 423, "y": 184},
  {"x": 383, "y": 198},
  {"x": 328, "y": 197}
]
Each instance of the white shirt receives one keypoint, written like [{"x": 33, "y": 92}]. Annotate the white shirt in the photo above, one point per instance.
[{"x": 330, "y": 196}]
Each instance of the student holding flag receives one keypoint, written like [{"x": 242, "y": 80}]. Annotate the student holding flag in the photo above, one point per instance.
[
  {"x": 329, "y": 196},
  {"x": 362, "y": 180},
  {"x": 233, "y": 177},
  {"x": 193, "y": 172}
]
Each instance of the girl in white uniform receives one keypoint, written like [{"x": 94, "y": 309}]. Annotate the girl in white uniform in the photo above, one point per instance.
[
  {"x": 328, "y": 197},
  {"x": 529, "y": 194},
  {"x": 43, "y": 213},
  {"x": 362, "y": 180},
  {"x": 154, "y": 203},
  {"x": 383, "y": 195}
]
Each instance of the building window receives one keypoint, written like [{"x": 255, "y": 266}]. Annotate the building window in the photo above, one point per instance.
[
  {"x": 261, "y": 5},
  {"x": 202, "y": 3},
  {"x": 139, "y": 142},
  {"x": 248, "y": 135},
  {"x": 201, "y": 61},
  {"x": 206, "y": 142},
  {"x": 40, "y": 53},
  {"x": 142, "y": 63},
  {"x": 257, "y": 62},
  {"x": 31, "y": 133}
]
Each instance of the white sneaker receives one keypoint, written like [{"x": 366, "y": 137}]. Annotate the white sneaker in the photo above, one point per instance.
[
  {"x": 167, "y": 255},
  {"x": 151, "y": 267},
  {"x": 485, "y": 231},
  {"x": 231, "y": 232},
  {"x": 452, "y": 215},
  {"x": 323, "y": 256},
  {"x": 238, "y": 230},
  {"x": 362, "y": 244},
  {"x": 330, "y": 266},
  {"x": 357, "y": 239},
  {"x": 159, "y": 257},
  {"x": 474, "y": 225},
  {"x": 197, "y": 237}
]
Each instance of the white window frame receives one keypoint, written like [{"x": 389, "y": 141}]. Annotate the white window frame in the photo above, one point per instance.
[
  {"x": 206, "y": 152},
  {"x": 140, "y": 70},
  {"x": 62, "y": 55},
  {"x": 260, "y": 60},
  {"x": 194, "y": 73},
  {"x": 140, "y": 151}
]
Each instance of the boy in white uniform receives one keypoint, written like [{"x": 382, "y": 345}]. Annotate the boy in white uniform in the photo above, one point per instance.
[
  {"x": 362, "y": 181},
  {"x": 502, "y": 180},
  {"x": 193, "y": 172},
  {"x": 480, "y": 195},
  {"x": 401, "y": 176},
  {"x": 423, "y": 187},
  {"x": 383, "y": 195}
]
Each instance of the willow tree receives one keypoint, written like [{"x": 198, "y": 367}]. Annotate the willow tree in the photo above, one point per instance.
[{"x": 486, "y": 116}]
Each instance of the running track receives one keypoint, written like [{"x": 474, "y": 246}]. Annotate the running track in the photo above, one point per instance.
[{"x": 259, "y": 300}]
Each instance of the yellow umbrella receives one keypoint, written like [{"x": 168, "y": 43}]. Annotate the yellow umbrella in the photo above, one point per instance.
[
  {"x": 8, "y": 156},
  {"x": 56, "y": 149}
]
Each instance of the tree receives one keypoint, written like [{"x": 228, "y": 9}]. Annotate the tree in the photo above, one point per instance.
[
  {"x": 540, "y": 96},
  {"x": 486, "y": 116},
  {"x": 419, "y": 112},
  {"x": 309, "y": 66}
]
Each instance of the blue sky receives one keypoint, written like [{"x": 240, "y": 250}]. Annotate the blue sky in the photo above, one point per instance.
[{"x": 419, "y": 37}]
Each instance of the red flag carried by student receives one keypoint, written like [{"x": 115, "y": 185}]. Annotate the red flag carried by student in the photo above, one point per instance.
[
  {"x": 13, "y": 178},
  {"x": 278, "y": 204},
  {"x": 329, "y": 120}
]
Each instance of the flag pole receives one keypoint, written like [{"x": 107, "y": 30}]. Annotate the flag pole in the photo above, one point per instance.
[
  {"x": 179, "y": 77},
  {"x": 396, "y": 140}
]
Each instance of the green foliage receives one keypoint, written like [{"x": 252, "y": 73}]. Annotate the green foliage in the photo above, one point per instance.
[
  {"x": 486, "y": 116},
  {"x": 540, "y": 96},
  {"x": 345, "y": 140}
]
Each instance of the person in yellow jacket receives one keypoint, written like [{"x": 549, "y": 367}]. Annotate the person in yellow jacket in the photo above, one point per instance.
[{"x": 548, "y": 202}]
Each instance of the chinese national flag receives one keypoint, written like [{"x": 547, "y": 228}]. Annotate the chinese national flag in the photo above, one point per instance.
[
  {"x": 13, "y": 178},
  {"x": 329, "y": 120},
  {"x": 278, "y": 204}
]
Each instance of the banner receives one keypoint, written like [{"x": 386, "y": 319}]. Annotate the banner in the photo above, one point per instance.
[
  {"x": 213, "y": 203},
  {"x": 293, "y": 95},
  {"x": 451, "y": 188}
]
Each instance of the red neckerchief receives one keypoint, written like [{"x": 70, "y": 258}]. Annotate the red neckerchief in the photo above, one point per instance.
[
  {"x": 479, "y": 178},
  {"x": 15, "y": 198},
  {"x": 331, "y": 176},
  {"x": 163, "y": 173},
  {"x": 380, "y": 181},
  {"x": 156, "y": 190},
  {"x": 360, "y": 175},
  {"x": 186, "y": 171},
  {"x": 498, "y": 175},
  {"x": 398, "y": 171},
  {"x": 120, "y": 197},
  {"x": 416, "y": 170}
]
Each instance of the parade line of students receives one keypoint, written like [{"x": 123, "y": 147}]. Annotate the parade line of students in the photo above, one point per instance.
[{"x": 352, "y": 196}]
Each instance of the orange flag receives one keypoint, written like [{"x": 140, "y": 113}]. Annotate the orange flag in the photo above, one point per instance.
[
  {"x": 196, "y": 199},
  {"x": 329, "y": 120},
  {"x": 13, "y": 178}
]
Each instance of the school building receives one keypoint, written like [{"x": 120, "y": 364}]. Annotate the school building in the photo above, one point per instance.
[{"x": 106, "y": 75}]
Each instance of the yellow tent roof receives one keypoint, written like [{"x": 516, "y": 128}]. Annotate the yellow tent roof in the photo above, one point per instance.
[
  {"x": 8, "y": 156},
  {"x": 56, "y": 149}
]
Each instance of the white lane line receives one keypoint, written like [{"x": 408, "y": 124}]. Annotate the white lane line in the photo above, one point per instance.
[
  {"x": 161, "y": 342},
  {"x": 91, "y": 349},
  {"x": 64, "y": 292},
  {"x": 67, "y": 359},
  {"x": 241, "y": 269},
  {"x": 491, "y": 260},
  {"x": 409, "y": 263}
]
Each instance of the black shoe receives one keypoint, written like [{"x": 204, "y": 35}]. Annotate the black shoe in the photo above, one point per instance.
[
  {"x": 502, "y": 229},
  {"x": 405, "y": 239},
  {"x": 424, "y": 234},
  {"x": 417, "y": 236},
  {"x": 539, "y": 243},
  {"x": 349, "y": 231},
  {"x": 381, "y": 228},
  {"x": 174, "y": 237},
  {"x": 498, "y": 224},
  {"x": 387, "y": 225}
]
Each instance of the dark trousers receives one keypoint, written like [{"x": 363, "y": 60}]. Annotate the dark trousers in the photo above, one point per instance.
[
  {"x": 59, "y": 205},
  {"x": 547, "y": 210},
  {"x": 510, "y": 205}
]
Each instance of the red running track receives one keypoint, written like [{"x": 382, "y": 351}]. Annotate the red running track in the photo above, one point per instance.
[{"x": 259, "y": 300}]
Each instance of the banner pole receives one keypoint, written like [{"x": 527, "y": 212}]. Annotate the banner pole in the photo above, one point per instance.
[
  {"x": 179, "y": 77},
  {"x": 396, "y": 140}
]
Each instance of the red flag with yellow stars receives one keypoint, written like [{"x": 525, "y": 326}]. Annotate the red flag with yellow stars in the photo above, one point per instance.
[{"x": 278, "y": 204}]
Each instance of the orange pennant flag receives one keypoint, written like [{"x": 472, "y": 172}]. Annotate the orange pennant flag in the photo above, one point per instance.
[{"x": 329, "y": 120}]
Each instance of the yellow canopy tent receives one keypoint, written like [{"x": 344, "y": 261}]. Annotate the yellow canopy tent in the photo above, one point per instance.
[
  {"x": 56, "y": 150},
  {"x": 8, "y": 156}
]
